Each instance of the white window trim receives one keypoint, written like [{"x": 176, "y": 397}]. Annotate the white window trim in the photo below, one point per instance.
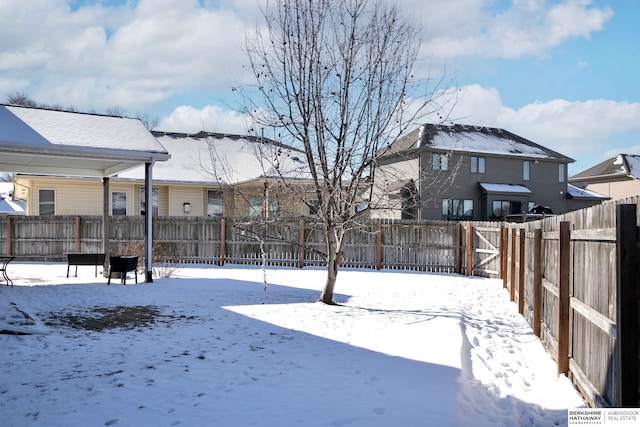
[
  {"x": 55, "y": 201},
  {"x": 126, "y": 202}
]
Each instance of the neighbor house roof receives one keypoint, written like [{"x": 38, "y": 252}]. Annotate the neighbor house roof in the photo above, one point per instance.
[
  {"x": 623, "y": 165},
  {"x": 472, "y": 139},
  {"x": 575, "y": 192},
  {"x": 223, "y": 159},
  {"x": 43, "y": 141}
]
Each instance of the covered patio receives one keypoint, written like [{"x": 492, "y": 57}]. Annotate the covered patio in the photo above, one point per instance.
[{"x": 52, "y": 142}]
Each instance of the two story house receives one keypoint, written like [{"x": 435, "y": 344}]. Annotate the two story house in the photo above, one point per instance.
[
  {"x": 617, "y": 177},
  {"x": 452, "y": 172}
]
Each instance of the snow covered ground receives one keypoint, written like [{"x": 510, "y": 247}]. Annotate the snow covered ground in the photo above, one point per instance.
[{"x": 211, "y": 347}]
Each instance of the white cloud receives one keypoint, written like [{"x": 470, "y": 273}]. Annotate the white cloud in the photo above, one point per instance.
[
  {"x": 210, "y": 119},
  {"x": 99, "y": 57},
  {"x": 527, "y": 27},
  {"x": 588, "y": 131}
]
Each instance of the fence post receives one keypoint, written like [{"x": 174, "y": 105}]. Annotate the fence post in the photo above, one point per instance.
[
  {"x": 537, "y": 280},
  {"x": 469, "y": 249},
  {"x": 512, "y": 282},
  {"x": 223, "y": 238},
  {"x": 521, "y": 274},
  {"x": 301, "y": 244},
  {"x": 564, "y": 265},
  {"x": 626, "y": 375},
  {"x": 458, "y": 248},
  {"x": 379, "y": 246},
  {"x": 77, "y": 235},
  {"x": 504, "y": 253}
]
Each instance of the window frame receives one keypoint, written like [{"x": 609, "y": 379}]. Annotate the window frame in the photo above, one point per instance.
[
  {"x": 220, "y": 197},
  {"x": 112, "y": 211},
  {"x": 509, "y": 203},
  {"x": 155, "y": 197},
  {"x": 46, "y": 203},
  {"x": 452, "y": 205},
  {"x": 256, "y": 207},
  {"x": 562, "y": 172},
  {"x": 440, "y": 161},
  {"x": 478, "y": 165},
  {"x": 526, "y": 170}
]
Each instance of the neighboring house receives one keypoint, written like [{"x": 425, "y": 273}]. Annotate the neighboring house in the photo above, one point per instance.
[
  {"x": 467, "y": 172},
  {"x": 9, "y": 206},
  {"x": 616, "y": 178},
  {"x": 580, "y": 198},
  {"x": 208, "y": 174}
]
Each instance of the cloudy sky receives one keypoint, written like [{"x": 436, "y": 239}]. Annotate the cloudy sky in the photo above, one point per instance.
[{"x": 562, "y": 73}]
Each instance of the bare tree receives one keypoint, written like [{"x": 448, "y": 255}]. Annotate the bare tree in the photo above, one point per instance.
[
  {"x": 336, "y": 79},
  {"x": 21, "y": 99},
  {"x": 150, "y": 122}
]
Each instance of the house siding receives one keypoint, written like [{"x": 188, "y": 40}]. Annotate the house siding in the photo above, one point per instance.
[
  {"x": 392, "y": 175},
  {"x": 616, "y": 188},
  {"x": 84, "y": 196},
  {"x": 458, "y": 182}
]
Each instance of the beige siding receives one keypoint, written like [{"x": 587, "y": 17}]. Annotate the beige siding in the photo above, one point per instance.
[
  {"x": 179, "y": 195},
  {"x": 389, "y": 179},
  {"x": 84, "y": 196},
  {"x": 72, "y": 196},
  {"x": 616, "y": 189}
]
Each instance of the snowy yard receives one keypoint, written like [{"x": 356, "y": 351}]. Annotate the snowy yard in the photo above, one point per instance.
[{"x": 211, "y": 347}]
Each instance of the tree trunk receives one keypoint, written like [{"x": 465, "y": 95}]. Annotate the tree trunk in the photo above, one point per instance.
[
  {"x": 333, "y": 261},
  {"x": 332, "y": 274}
]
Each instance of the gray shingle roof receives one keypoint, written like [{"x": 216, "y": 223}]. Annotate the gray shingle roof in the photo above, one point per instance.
[
  {"x": 622, "y": 165},
  {"x": 472, "y": 139}
]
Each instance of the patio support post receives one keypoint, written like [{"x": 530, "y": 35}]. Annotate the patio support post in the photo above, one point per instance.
[
  {"x": 105, "y": 225},
  {"x": 148, "y": 238}
]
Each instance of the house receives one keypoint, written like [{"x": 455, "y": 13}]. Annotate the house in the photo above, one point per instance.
[
  {"x": 616, "y": 178},
  {"x": 208, "y": 174},
  {"x": 46, "y": 141},
  {"x": 467, "y": 172},
  {"x": 9, "y": 206},
  {"x": 579, "y": 197}
]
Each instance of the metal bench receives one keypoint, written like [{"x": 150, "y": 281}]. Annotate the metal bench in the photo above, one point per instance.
[
  {"x": 5, "y": 260},
  {"x": 122, "y": 265},
  {"x": 85, "y": 259}
]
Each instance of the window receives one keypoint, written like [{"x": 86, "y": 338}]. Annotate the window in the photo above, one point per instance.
[
  {"x": 46, "y": 202},
  {"x": 440, "y": 162},
  {"x": 561, "y": 172},
  {"x": 457, "y": 208},
  {"x": 478, "y": 164},
  {"x": 118, "y": 203},
  {"x": 257, "y": 207},
  {"x": 409, "y": 202},
  {"x": 154, "y": 201},
  {"x": 215, "y": 203},
  {"x": 526, "y": 170},
  {"x": 314, "y": 207},
  {"x": 502, "y": 208}
]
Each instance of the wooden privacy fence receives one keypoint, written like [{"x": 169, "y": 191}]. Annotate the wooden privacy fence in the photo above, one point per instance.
[
  {"x": 575, "y": 279},
  {"x": 433, "y": 246}
]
